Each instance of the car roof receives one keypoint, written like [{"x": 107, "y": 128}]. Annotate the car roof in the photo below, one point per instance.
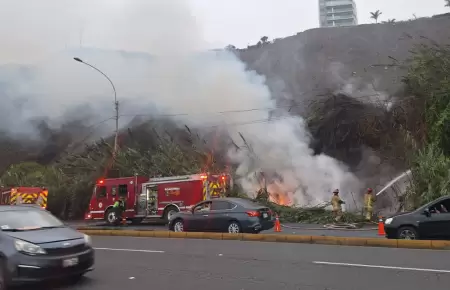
[
  {"x": 433, "y": 202},
  {"x": 239, "y": 201},
  {"x": 17, "y": 207}
]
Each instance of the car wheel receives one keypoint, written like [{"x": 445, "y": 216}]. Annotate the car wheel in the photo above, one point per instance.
[
  {"x": 234, "y": 227},
  {"x": 178, "y": 226},
  {"x": 3, "y": 277},
  {"x": 169, "y": 212},
  {"x": 407, "y": 233}
]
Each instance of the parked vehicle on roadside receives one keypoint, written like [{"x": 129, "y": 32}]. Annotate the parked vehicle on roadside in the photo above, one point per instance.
[
  {"x": 35, "y": 246},
  {"x": 153, "y": 197},
  {"x": 24, "y": 195},
  {"x": 431, "y": 221},
  {"x": 232, "y": 215}
]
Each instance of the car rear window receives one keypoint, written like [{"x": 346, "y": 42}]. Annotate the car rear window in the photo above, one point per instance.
[{"x": 27, "y": 220}]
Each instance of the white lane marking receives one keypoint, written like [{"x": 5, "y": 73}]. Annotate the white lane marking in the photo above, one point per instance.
[
  {"x": 382, "y": 267},
  {"x": 128, "y": 250}
]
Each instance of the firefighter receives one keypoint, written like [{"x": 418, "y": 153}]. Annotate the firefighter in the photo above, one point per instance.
[
  {"x": 337, "y": 203},
  {"x": 369, "y": 200},
  {"x": 119, "y": 208},
  {"x": 19, "y": 199},
  {"x": 40, "y": 201}
]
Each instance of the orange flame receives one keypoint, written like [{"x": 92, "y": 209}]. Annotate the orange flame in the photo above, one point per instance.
[{"x": 279, "y": 198}]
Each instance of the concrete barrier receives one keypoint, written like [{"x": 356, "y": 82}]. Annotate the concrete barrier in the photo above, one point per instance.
[{"x": 301, "y": 239}]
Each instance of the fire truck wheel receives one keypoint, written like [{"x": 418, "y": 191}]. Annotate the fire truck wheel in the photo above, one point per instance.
[
  {"x": 234, "y": 227},
  {"x": 111, "y": 217},
  {"x": 169, "y": 212}
]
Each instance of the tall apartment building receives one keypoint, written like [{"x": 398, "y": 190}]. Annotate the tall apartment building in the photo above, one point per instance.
[{"x": 337, "y": 13}]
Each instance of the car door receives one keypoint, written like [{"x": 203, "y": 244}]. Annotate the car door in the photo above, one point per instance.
[
  {"x": 199, "y": 219},
  {"x": 443, "y": 220},
  {"x": 101, "y": 198},
  {"x": 219, "y": 215},
  {"x": 437, "y": 224}
]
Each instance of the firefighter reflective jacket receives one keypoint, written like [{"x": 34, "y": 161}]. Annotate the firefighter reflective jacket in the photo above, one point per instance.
[
  {"x": 117, "y": 204},
  {"x": 336, "y": 202},
  {"x": 369, "y": 199}
]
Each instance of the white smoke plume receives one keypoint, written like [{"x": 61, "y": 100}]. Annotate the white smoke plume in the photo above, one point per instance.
[{"x": 175, "y": 77}]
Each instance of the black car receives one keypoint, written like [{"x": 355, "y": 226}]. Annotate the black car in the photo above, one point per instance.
[
  {"x": 431, "y": 221},
  {"x": 35, "y": 246},
  {"x": 232, "y": 215}
]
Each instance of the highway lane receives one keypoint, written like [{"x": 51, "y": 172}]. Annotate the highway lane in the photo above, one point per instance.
[{"x": 165, "y": 264}]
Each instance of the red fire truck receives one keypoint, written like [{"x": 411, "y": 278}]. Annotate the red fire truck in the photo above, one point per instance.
[
  {"x": 155, "y": 197},
  {"x": 24, "y": 195}
]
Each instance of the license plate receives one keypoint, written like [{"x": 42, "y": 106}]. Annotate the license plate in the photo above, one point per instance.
[
  {"x": 70, "y": 262},
  {"x": 265, "y": 215}
]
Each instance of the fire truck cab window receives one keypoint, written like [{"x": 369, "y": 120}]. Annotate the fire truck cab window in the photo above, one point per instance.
[
  {"x": 114, "y": 191},
  {"x": 123, "y": 190},
  {"x": 100, "y": 191},
  {"x": 221, "y": 205}
]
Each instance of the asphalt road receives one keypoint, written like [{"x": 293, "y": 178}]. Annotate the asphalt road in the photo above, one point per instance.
[
  {"x": 293, "y": 229},
  {"x": 165, "y": 264}
]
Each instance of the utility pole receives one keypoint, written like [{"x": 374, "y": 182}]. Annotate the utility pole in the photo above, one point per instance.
[
  {"x": 116, "y": 105},
  {"x": 116, "y": 134}
]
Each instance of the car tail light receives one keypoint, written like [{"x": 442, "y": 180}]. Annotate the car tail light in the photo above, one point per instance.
[{"x": 253, "y": 213}]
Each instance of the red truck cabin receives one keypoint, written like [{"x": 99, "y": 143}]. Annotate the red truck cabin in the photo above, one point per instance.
[{"x": 107, "y": 191}]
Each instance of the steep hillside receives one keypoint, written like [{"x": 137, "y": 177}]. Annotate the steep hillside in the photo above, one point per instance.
[{"x": 324, "y": 59}]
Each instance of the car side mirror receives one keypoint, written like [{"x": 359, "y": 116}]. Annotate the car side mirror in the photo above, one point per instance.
[{"x": 427, "y": 212}]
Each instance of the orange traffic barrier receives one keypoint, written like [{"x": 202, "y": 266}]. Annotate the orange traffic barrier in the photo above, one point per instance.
[
  {"x": 381, "y": 231},
  {"x": 277, "y": 227}
]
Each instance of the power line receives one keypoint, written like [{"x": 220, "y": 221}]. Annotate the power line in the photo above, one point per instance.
[
  {"x": 257, "y": 121},
  {"x": 235, "y": 111},
  {"x": 260, "y": 109}
]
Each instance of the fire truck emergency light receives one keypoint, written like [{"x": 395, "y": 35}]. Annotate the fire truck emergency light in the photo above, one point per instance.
[
  {"x": 203, "y": 176},
  {"x": 101, "y": 181}
]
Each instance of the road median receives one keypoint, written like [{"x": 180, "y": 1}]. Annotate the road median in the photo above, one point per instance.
[{"x": 301, "y": 239}]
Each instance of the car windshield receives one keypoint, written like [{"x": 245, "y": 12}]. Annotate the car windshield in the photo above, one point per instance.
[{"x": 24, "y": 220}]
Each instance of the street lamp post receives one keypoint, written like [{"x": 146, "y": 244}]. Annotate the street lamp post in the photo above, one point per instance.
[{"x": 116, "y": 103}]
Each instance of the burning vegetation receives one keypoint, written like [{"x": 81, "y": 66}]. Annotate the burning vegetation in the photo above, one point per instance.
[{"x": 405, "y": 131}]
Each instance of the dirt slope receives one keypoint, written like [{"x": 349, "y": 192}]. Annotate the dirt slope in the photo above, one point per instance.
[{"x": 326, "y": 58}]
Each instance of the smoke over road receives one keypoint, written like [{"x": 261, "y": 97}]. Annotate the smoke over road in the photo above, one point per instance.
[{"x": 174, "y": 76}]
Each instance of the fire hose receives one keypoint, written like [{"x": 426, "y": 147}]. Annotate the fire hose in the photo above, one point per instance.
[{"x": 343, "y": 226}]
